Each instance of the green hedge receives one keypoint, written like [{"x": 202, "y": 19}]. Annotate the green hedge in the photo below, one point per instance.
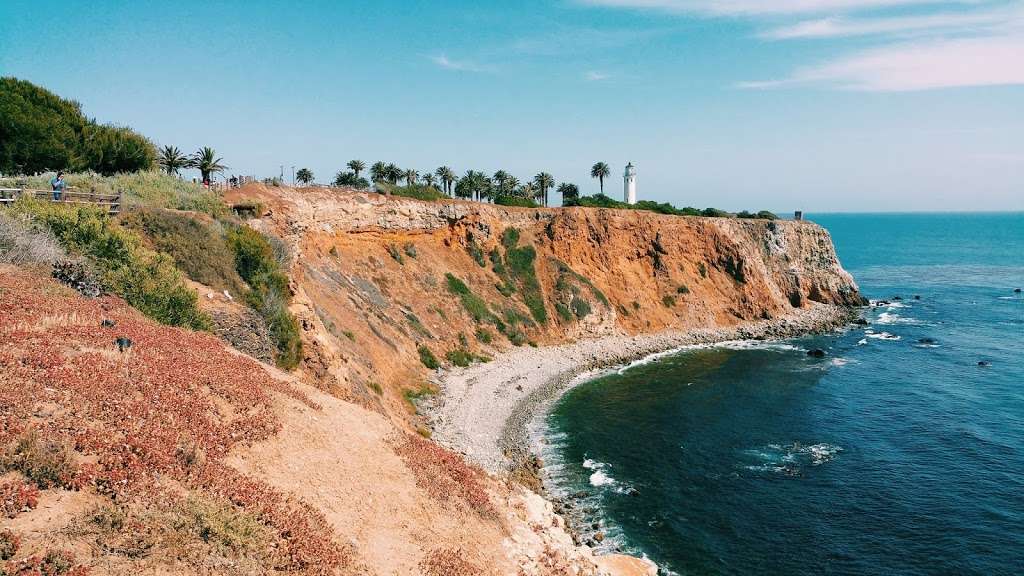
[{"x": 268, "y": 291}]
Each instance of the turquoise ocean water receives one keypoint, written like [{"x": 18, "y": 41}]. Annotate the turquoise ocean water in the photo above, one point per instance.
[{"x": 895, "y": 454}]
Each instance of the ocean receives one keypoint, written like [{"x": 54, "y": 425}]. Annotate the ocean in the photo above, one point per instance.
[{"x": 897, "y": 453}]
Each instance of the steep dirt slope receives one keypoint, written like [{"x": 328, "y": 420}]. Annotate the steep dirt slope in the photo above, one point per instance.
[
  {"x": 373, "y": 291},
  {"x": 179, "y": 455}
]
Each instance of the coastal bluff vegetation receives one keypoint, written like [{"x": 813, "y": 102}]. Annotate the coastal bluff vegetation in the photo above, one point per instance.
[{"x": 244, "y": 381}]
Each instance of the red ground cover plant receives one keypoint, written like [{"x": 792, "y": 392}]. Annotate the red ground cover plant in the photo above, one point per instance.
[
  {"x": 53, "y": 563},
  {"x": 444, "y": 475},
  {"x": 164, "y": 412},
  {"x": 16, "y": 495}
]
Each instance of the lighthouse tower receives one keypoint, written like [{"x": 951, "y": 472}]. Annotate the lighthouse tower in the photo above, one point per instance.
[{"x": 629, "y": 184}]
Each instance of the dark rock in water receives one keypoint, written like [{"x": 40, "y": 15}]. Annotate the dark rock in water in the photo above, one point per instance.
[
  {"x": 816, "y": 353},
  {"x": 581, "y": 494},
  {"x": 984, "y": 363},
  {"x": 882, "y": 302},
  {"x": 897, "y": 298},
  {"x": 595, "y": 525},
  {"x": 927, "y": 341},
  {"x": 1016, "y": 290},
  {"x": 861, "y": 322},
  {"x": 633, "y": 492},
  {"x": 917, "y": 296}
]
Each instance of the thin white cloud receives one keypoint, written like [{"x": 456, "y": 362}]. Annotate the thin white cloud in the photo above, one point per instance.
[
  {"x": 758, "y": 7},
  {"x": 448, "y": 64},
  {"x": 927, "y": 65},
  {"x": 836, "y": 27},
  {"x": 594, "y": 76}
]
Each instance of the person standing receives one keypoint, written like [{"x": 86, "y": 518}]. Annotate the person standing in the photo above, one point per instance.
[{"x": 57, "y": 184}]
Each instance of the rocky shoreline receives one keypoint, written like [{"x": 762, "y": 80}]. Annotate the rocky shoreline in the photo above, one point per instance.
[{"x": 484, "y": 411}]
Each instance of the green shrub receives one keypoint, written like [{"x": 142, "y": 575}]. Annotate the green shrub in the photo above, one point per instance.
[
  {"x": 510, "y": 237},
  {"x": 506, "y": 200},
  {"x": 375, "y": 387},
  {"x": 147, "y": 280},
  {"x": 565, "y": 272},
  {"x": 395, "y": 254},
  {"x": 257, "y": 264},
  {"x": 472, "y": 303},
  {"x": 762, "y": 215},
  {"x": 410, "y": 250},
  {"x": 427, "y": 357},
  {"x": 199, "y": 248},
  {"x": 668, "y": 301},
  {"x": 579, "y": 306},
  {"x": 417, "y": 191},
  {"x": 507, "y": 286},
  {"x": 476, "y": 253},
  {"x": 563, "y": 312},
  {"x": 460, "y": 357},
  {"x": 520, "y": 262},
  {"x": 702, "y": 269},
  {"x": 682, "y": 289},
  {"x": 484, "y": 336},
  {"x": 714, "y": 213}
]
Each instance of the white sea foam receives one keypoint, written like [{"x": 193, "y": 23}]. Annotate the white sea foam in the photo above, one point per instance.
[
  {"x": 862, "y": 341},
  {"x": 789, "y": 459},
  {"x": 884, "y": 336}
]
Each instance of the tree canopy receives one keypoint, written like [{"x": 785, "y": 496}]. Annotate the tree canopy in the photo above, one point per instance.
[{"x": 40, "y": 131}]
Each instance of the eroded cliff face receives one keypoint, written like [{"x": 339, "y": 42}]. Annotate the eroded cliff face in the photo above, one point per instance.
[{"x": 380, "y": 280}]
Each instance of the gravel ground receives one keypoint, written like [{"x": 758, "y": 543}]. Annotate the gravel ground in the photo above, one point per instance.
[{"x": 483, "y": 411}]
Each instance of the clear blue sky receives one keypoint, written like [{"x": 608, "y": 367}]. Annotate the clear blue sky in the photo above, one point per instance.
[{"x": 825, "y": 105}]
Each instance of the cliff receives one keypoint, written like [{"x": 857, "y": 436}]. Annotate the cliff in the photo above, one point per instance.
[
  {"x": 177, "y": 454},
  {"x": 373, "y": 278}
]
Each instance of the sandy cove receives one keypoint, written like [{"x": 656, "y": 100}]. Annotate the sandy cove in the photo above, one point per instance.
[{"x": 483, "y": 411}]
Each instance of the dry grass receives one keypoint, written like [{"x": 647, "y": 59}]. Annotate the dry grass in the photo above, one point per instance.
[
  {"x": 203, "y": 533},
  {"x": 23, "y": 244}
]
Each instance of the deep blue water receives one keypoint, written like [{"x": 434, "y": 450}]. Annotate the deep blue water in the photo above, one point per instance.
[{"x": 886, "y": 457}]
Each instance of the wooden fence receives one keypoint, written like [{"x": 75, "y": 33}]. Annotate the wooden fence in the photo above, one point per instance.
[{"x": 112, "y": 202}]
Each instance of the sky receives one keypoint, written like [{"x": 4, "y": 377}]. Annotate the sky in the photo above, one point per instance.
[{"x": 819, "y": 105}]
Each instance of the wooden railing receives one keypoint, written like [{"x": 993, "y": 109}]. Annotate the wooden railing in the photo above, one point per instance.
[{"x": 112, "y": 202}]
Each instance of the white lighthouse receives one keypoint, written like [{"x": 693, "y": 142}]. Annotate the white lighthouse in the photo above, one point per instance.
[{"x": 629, "y": 184}]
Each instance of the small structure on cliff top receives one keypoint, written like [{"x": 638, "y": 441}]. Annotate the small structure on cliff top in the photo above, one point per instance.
[{"x": 629, "y": 184}]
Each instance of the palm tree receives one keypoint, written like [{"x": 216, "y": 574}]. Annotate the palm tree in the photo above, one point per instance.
[
  {"x": 410, "y": 177},
  {"x": 392, "y": 173},
  {"x": 475, "y": 185},
  {"x": 206, "y": 161},
  {"x": 527, "y": 190},
  {"x": 378, "y": 172},
  {"x": 500, "y": 179},
  {"x": 304, "y": 175},
  {"x": 511, "y": 184},
  {"x": 568, "y": 191},
  {"x": 544, "y": 181},
  {"x": 600, "y": 171},
  {"x": 428, "y": 180},
  {"x": 356, "y": 166},
  {"x": 171, "y": 159},
  {"x": 447, "y": 177}
]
